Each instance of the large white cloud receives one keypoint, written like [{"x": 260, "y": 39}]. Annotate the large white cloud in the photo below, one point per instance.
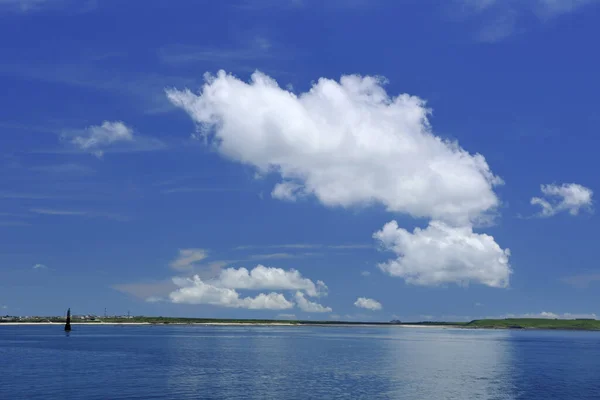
[
  {"x": 195, "y": 291},
  {"x": 348, "y": 143},
  {"x": 310, "y": 306},
  {"x": 369, "y": 304},
  {"x": 442, "y": 253},
  {"x": 570, "y": 197},
  {"x": 261, "y": 277}
]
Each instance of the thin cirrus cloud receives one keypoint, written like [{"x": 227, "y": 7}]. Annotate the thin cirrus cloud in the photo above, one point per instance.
[
  {"x": 504, "y": 18},
  {"x": 386, "y": 153},
  {"x": 369, "y": 304},
  {"x": 79, "y": 213},
  {"x": 307, "y": 246},
  {"x": 189, "y": 54},
  {"x": 29, "y": 6},
  {"x": 582, "y": 281},
  {"x": 223, "y": 290}
]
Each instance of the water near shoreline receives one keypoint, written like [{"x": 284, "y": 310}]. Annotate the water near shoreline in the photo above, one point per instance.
[{"x": 259, "y": 362}]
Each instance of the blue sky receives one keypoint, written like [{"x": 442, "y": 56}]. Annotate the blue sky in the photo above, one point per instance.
[{"x": 269, "y": 189}]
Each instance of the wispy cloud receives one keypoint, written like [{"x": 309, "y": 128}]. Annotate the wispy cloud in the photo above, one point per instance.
[
  {"x": 188, "y": 54},
  {"x": 274, "y": 256},
  {"x": 67, "y": 169},
  {"x": 47, "y": 211},
  {"x": 142, "y": 90},
  {"x": 80, "y": 213},
  {"x": 27, "y": 196},
  {"x": 187, "y": 258},
  {"x": 22, "y": 5},
  {"x": 501, "y": 19},
  {"x": 30, "y": 6},
  {"x": 110, "y": 136},
  {"x": 307, "y": 246},
  {"x": 287, "y": 316},
  {"x": 582, "y": 281},
  {"x": 147, "y": 290},
  {"x": 14, "y": 223},
  {"x": 192, "y": 189},
  {"x": 40, "y": 266}
]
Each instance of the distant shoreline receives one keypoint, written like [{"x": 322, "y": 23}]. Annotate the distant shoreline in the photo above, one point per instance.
[
  {"x": 504, "y": 324},
  {"x": 291, "y": 324}
]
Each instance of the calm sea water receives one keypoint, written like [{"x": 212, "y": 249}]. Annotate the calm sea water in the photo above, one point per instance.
[{"x": 197, "y": 362}]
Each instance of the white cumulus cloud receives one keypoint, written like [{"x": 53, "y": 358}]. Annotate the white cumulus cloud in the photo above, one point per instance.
[
  {"x": 442, "y": 253},
  {"x": 309, "y": 306},
  {"x": 261, "y": 277},
  {"x": 369, "y": 304},
  {"x": 570, "y": 197},
  {"x": 348, "y": 143},
  {"x": 187, "y": 258},
  {"x": 222, "y": 290},
  {"x": 195, "y": 291}
]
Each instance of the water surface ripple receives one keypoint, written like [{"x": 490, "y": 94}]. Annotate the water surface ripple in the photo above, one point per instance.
[{"x": 203, "y": 362}]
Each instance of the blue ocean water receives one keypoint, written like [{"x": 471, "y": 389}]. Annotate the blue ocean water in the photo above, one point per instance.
[{"x": 203, "y": 362}]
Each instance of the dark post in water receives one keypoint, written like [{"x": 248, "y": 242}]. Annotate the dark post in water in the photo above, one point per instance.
[{"x": 68, "y": 324}]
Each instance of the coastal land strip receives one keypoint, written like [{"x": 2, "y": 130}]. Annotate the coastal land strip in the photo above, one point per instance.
[{"x": 509, "y": 323}]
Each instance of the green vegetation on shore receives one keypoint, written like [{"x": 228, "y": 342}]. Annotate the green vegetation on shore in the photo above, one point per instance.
[{"x": 536, "y": 323}]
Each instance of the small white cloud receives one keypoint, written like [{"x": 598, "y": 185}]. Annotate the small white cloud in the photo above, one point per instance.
[
  {"x": 369, "y": 304},
  {"x": 365, "y": 273},
  {"x": 155, "y": 299},
  {"x": 95, "y": 138},
  {"x": 195, "y": 291},
  {"x": 110, "y": 136},
  {"x": 261, "y": 277},
  {"x": 4, "y": 307},
  {"x": 187, "y": 258},
  {"x": 569, "y": 197},
  {"x": 309, "y": 306},
  {"x": 478, "y": 304},
  {"x": 444, "y": 254},
  {"x": 40, "y": 266}
]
